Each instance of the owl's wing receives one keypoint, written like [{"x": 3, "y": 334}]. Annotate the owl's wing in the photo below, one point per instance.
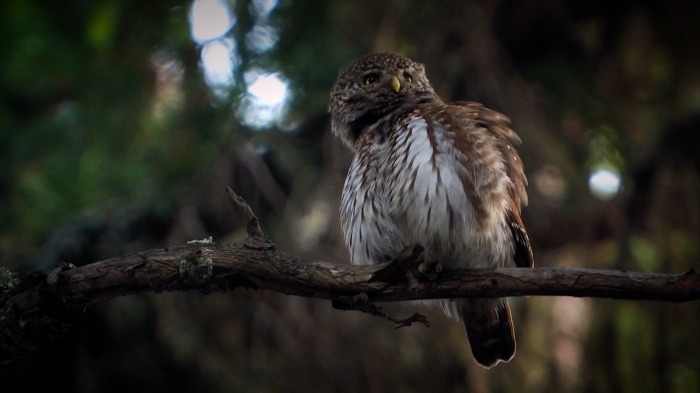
[
  {"x": 499, "y": 126},
  {"x": 523, "y": 250}
]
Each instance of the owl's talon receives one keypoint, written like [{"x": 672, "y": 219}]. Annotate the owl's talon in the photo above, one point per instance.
[
  {"x": 394, "y": 270},
  {"x": 430, "y": 267},
  {"x": 439, "y": 267}
]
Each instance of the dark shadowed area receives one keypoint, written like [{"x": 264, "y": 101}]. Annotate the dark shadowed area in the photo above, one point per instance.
[{"x": 122, "y": 122}]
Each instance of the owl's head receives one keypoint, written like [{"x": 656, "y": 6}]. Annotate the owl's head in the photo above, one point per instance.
[{"x": 373, "y": 87}]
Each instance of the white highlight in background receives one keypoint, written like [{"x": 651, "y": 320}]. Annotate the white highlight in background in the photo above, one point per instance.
[
  {"x": 265, "y": 103},
  {"x": 217, "y": 63},
  {"x": 604, "y": 183},
  {"x": 209, "y": 19},
  {"x": 268, "y": 90}
]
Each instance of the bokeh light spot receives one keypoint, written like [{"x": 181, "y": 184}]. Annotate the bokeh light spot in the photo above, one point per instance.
[
  {"x": 217, "y": 63},
  {"x": 266, "y": 99},
  {"x": 604, "y": 183},
  {"x": 209, "y": 19},
  {"x": 261, "y": 38}
]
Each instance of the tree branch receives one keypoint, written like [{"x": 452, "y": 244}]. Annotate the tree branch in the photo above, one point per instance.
[{"x": 42, "y": 307}]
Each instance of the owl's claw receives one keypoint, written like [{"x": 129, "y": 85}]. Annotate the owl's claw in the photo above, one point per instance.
[
  {"x": 409, "y": 258},
  {"x": 430, "y": 268},
  {"x": 413, "y": 261}
]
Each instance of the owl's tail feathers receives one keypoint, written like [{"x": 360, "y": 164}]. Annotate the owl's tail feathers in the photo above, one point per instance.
[{"x": 490, "y": 330}]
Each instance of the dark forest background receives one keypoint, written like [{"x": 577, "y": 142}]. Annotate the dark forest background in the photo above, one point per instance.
[{"x": 118, "y": 135}]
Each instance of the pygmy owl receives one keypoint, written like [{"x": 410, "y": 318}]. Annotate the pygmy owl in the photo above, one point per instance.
[{"x": 442, "y": 175}]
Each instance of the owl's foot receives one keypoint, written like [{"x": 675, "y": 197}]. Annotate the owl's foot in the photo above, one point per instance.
[
  {"x": 412, "y": 262},
  {"x": 408, "y": 259},
  {"x": 430, "y": 268}
]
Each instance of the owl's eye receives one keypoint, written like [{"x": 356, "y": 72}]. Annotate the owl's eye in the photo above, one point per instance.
[
  {"x": 371, "y": 79},
  {"x": 408, "y": 76}
]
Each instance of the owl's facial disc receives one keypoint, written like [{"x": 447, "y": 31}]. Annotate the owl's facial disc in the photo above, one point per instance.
[
  {"x": 374, "y": 87},
  {"x": 393, "y": 80}
]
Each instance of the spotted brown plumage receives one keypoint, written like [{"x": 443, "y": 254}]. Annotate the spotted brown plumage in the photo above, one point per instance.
[{"x": 442, "y": 175}]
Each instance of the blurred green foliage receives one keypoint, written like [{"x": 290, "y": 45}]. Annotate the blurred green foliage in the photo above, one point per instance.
[{"x": 79, "y": 124}]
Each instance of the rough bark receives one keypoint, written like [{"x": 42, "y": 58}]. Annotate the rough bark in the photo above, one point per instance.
[{"x": 42, "y": 307}]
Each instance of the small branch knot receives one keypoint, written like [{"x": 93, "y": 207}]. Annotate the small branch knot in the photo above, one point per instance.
[
  {"x": 196, "y": 271},
  {"x": 52, "y": 278}
]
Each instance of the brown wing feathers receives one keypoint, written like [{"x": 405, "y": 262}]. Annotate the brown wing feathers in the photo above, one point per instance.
[{"x": 499, "y": 125}]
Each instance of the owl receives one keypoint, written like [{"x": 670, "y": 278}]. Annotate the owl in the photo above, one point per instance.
[{"x": 442, "y": 175}]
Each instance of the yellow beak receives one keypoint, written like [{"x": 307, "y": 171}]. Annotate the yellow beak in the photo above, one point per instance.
[{"x": 395, "y": 84}]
